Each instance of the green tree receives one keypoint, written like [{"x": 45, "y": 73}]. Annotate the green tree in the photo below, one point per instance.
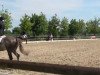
[
  {"x": 93, "y": 26},
  {"x": 26, "y": 24},
  {"x": 8, "y": 32},
  {"x": 64, "y": 27},
  {"x": 54, "y": 26},
  {"x": 16, "y": 30},
  {"x": 34, "y": 21},
  {"x": 8, "y": 19},
  {"x": 81, "y": 28},
  {"x": 39, "y": 24},
  {"x": 72, "y": 28}
]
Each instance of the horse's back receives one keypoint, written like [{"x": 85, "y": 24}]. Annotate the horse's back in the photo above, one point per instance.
[
  {"x": 9, "y": 39},
  {"x": 9, "y": 42}
]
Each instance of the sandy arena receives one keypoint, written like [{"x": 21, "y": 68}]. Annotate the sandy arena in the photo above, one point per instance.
[{"x": 77, "y": 52}]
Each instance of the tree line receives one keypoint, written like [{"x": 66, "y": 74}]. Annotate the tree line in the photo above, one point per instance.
[{"x": 39, "y": 25}]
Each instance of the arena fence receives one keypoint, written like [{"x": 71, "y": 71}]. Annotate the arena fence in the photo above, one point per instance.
[
  {"x": 39, "y": 38},
  {"x": 49, "y": 68}
]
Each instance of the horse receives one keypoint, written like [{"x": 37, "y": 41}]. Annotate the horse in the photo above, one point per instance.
[{"x": 10, "y": 44}]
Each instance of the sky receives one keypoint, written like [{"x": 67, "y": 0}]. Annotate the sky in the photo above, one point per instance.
[{"x": 71, "y": 9}]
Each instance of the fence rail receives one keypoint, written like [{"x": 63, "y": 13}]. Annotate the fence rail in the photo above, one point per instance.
[{"x": 37, "y": 38}]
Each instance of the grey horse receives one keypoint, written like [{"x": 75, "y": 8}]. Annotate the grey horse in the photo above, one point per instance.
[{"x": 10, "y": 44}]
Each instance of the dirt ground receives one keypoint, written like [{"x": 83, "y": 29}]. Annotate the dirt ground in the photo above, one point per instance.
[{"x": 77, "y": 52}]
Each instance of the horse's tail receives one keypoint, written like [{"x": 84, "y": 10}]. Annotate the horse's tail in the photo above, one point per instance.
[{"x": 21, "y": 48}]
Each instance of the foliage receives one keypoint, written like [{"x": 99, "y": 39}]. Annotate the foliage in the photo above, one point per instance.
[
  {"x": 54, "y": 26},
  {"x": 8, "y": 32},
  {"x": 81, "y": 28},
  {"x": 16, "y": 30},
  {"x": 39, "y": 24},
  {"x": 93, "y": 26},
  {"x": 25, "y": 24},
  {"x": 64, "y": 27},
  {"x": 8, "y": 19},
  {"x": 73, "y": 27}
]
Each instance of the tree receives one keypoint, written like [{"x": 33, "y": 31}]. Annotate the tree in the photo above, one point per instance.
[
  {"x": 8, "y": 32},
  {"x": 81, "y": 28},
  {"x": 39, "y": 24},
  {"x": 93, "y": 26},
  {"x": 64, "y": 27},
  {"x": 34, "y": 20},
  {"x": 72, "y": 28},
  {"x": 8, "y": 19},
  {"x": 16, "y": 30},
  {"x": 54, "y": 26},
  {"x": 26, "y": 24}
]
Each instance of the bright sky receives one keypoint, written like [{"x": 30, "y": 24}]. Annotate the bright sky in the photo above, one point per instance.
[{"x": 77, "y": 9}]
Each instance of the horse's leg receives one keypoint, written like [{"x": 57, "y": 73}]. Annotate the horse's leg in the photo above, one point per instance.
[
  {"x": 14, "y": 51},
  {"x": 10, "y": 55},
  {"x": 9, "y": 52},
  {"x": 16, "y": 54}
]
